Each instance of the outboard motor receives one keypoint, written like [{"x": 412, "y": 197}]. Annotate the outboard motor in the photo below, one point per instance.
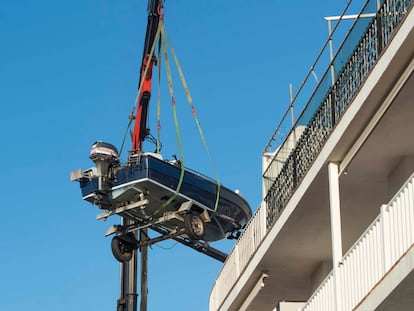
[{"x": 104, "y": 156}]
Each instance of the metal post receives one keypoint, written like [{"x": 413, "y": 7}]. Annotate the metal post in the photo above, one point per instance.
[
  {"x": 329, "y": 19},
  {"x": 128, "y": 281},
  {"x": 331, "y": 52},
  {"x": 292, "y": 112},
  {"x": 336, "y": 235},
  {"x": 123, "y": 277},
  {"x": 339, "y": 18},
  {"x": 132, "y": 282},
  {"x": 120, "y": 306},
  {"x": 143, "y": 235}
]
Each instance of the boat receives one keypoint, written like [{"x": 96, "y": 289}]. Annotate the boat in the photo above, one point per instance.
[
  {"x": 150, "y": 192},
  {"x": 147, "y": 191}
]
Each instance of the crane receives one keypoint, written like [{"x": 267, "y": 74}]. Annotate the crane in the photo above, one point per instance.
[
  {"x": 149, "y": 192},
  {"x": 128, "y": 296}
]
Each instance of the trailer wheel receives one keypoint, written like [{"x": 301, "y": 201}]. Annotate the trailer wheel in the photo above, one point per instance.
[
  {"x": 121, "y": 249},
  {"x": 194, "y": 226}
]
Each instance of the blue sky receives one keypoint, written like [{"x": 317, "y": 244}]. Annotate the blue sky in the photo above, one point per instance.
[{"x": 68, "y": 77}]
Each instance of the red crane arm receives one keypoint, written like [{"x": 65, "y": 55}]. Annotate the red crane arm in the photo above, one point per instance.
[{"x": 140, "y": 126}]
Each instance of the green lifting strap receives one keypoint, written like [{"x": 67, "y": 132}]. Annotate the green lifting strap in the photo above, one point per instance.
[
  {"x": 190, "y": 102},
  {"x": 159, "y": 102},
  {"x": 162, "y": 33},
  {"x": 177, "y": 129}
]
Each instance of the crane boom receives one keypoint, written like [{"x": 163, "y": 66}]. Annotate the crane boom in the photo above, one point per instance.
[{"x": 140, "y": 126}]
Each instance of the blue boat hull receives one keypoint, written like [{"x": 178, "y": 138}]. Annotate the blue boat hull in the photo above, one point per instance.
[{"x": 157, "y": 181}]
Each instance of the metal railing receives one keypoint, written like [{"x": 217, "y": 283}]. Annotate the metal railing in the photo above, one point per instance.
[
  {"x": 327, "y": 103},
  {"x": 382, "y": 245},
  {"x": 352, "y": 62}
]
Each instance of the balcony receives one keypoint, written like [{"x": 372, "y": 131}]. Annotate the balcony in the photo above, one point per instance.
[
  {"x": 378, "y": 254},
  {"x": 359, "y": 117}
]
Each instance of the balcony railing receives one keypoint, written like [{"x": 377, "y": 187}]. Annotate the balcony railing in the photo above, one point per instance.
[
  {"x": 343, "y": 77},
  {"x": 328, "y": 102},
  {"x": 382, "y": 245},
  {"x": 238, "y": 259}
]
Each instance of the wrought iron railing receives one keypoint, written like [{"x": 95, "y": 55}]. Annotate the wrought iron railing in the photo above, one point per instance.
[{"x": 322, "y": 113}]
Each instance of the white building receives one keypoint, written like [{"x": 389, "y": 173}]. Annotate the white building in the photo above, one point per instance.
[{"x": 335, "y": 230}]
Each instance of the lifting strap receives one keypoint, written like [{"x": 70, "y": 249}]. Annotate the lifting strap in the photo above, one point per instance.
[
  {"x": 162, "y": 34},
  {"x": 174, "y": 108},
  {"x": 158, "y": 150},
  {"x": 193, "y": 111}
]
